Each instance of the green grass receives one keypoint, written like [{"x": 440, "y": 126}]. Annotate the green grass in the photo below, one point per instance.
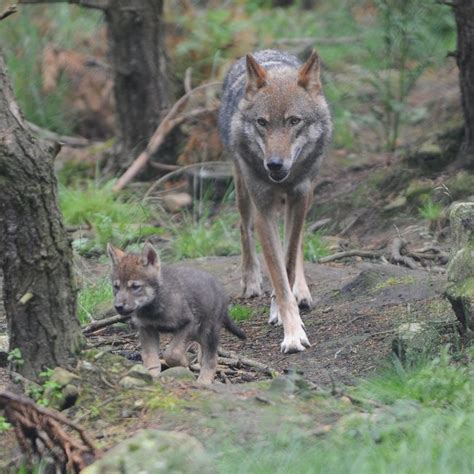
[
  {"x": 198, "y": 237},
  {"x": 421, "y": 421},
  {"x": 112, "y": 217},
  {"x": 431, "y": 211},
  {"x": 240, "y": 313},
  {"x": 92, "y": 297},
  {"x": 314, "y": 247}
]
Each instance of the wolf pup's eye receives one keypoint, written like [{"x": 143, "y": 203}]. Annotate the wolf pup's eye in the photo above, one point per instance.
[
  {"x": 262, "y": 122},
  {"x": 294, "y": 120},
  {"x": 116, "y": 286},
  {"x": 135, "y": 286}
]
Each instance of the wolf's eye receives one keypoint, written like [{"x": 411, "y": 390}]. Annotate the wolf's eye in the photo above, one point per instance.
[
  {"x": 262, "y": 122},
  {"x": 135, "y": 286},
  {"x": 116, "y": 286},
  {"x": 294, "y": 120}
]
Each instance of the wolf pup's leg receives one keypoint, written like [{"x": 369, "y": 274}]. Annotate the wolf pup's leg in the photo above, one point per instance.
[
  {"x": 295, "y": 212},
  {"x": 150, "y": 344},
  {"x": 209, "y": 343},
  {"x": 251, "y": 277},
  {"x": 175, "y": 353},
  {"x": 295, "y": 338}
]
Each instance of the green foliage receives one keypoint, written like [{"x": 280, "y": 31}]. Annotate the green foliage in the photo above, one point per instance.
[
  {"x": 91, "y": 297},
  {"x": 4, "y": 425},
  {"x": 314, "y": 247},
  {"x": 240, "y": 313},
  {"x": 15, "y": 358},
  {"x": 23, "y": 38},
  {"x": 431, "y": 211},
  {"x": 201, "y": 236},
  {"x": 47, "y": 392},
  {"x": 112, "y": 217}
]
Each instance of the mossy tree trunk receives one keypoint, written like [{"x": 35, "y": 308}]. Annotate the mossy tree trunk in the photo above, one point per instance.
[
  {"x": 35, "y": 254},
  {"x": 464, "y": 15}
]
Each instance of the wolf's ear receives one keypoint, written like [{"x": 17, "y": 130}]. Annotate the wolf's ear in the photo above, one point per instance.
[
  {"x": 256, "y": 76},
  {"x": 115, "y": 254},
  {"x": 150, "y": 256},
  {"x": 308, "y": 74}
]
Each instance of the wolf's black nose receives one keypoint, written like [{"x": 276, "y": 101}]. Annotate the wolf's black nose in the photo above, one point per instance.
[
  {"x": 274, "y": 164},
  {"x": 119, "y": 308}
]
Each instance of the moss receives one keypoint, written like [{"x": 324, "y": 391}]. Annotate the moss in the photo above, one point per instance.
[{"x": 461, "y": 185}]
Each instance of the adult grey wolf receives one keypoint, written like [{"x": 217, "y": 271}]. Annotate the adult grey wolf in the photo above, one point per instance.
[
  {"x": 275, "y": 122},
  {"x": 186, "y": 302}
]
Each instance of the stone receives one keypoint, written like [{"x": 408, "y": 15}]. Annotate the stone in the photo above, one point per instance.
[
  {"x": 4, "y": 349},
  {"x": 177, "y": 373},
  {"x": 413, "y": 339},
  {"x": 63, "y": 377},
  {"x": 154, "y": 452},
  {"x": 132, "y": 382},
  {"x": 139, "y": 371},
  {"x": 174, "y": 202},
  {"x": 461, "y": 297}
]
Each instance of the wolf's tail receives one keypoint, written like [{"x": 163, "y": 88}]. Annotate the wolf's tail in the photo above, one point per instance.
[{"x": 233, "y": 328}]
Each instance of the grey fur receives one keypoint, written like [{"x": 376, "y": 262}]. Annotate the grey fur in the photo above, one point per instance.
[{"x": 189, "y": 303}]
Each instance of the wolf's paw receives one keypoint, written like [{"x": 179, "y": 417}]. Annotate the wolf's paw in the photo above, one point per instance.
[
  {"x": 275, "y": 318},
  {"x": 251, "y": 285},
  {"x": 303, "y": 296},
  {"x": 295, "y": 342}
]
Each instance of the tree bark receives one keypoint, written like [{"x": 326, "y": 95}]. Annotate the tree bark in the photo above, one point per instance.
[
  {"x": 464, "y": 15},
  {"x": 35, "y": 254},
  {"x": 136, "y": 48}
]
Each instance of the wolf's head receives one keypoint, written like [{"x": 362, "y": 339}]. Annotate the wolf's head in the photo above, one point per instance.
[
  {"x": 135, "y": 278},
  {"x": 284, "y": 113}
]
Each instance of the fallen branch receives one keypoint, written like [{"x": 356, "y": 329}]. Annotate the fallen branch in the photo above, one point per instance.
[
  {"x": 248, "y": 362},
  {"x": 171, "y": 120},
  {"x": 8, "y": 11},
  {"x": 398, "y": 245},
  {"x": 73, "y": 142},
  {"x": 42, "y": 431},
  {"x": 102, "y": 323},
  {"x": 351, "y": 253}
]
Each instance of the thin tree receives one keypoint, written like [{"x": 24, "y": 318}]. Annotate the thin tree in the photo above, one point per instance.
[
  {"x": 35, "y": 253},
  {"x": 135, "y": 31}
]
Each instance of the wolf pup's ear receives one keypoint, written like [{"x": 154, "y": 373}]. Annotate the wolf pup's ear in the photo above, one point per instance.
[
  {"x": 308, "y": 74},
  {"x": 115, "y": 254},
  {"x": 256, "y": 76},
  {"x": 150, "y": 256}
]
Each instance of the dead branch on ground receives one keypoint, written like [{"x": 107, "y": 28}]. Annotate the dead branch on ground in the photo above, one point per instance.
[
  {"x": 254, "y": 364},
  {"x": 398, "y": 245},
  {"x": 73, "y": 142},
  {"x": 43, "y": 432},
  {"x": 173, "y": 118},
  {"x": 102, "y": 323},
  {"x": 8, "y": 11}
]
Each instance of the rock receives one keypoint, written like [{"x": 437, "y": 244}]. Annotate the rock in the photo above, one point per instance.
[
  {"x": 177, "y": 373},
  {"x": 63, "y": 377},
  {"x": 282, "y": 384},
  {"x": 4, "y": 349},
  {"x": 154, "y": 452},
  {"x": 413, "y": 339},
  {"x": 132, "y": 382},
  {"x": 461, "y": 265},
  {"x": 61, "y": 392},
  {"x": 139, "y": 371},
  {"x": 174, "y": 202}
]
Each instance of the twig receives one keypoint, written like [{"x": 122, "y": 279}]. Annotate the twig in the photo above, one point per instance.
[
  {"x": 8, "y": 11},
  {"x": 351, "y": 253},
  {"x": 249, "y": 362},
  {"x": 102, "y": 323},
  {"x": 167, "y": 124},
  {"x": 314, "y": 40},
  {"x": 397, "y": 245},
  {"x": 40, "y": 431}
]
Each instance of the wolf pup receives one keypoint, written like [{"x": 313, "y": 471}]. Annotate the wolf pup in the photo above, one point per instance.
[
  {"x": 275, "y": 122},
  {"x": 188, "y": 303}
]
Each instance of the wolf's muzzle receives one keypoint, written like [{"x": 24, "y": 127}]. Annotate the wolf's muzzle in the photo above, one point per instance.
[{"x": 276, "y": 171}]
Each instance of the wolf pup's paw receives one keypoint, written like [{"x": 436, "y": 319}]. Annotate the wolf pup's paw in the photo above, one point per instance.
[
  {"x": 275, "y": 318},
  {"x": 295, "y": 342}
]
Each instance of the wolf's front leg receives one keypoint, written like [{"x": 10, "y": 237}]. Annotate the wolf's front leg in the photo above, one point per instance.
[
  {"x": 251, "y": 277},
  {"x": 150, "y": 345},
  {"x": 295, "y": 338}
]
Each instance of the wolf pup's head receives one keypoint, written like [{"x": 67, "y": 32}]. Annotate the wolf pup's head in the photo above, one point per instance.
[
  {"x": 135, "y": 278},
  {"x": 285, "y": 113}
]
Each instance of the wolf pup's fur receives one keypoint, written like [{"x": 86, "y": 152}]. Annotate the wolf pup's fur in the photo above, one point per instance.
[
  {"x": 189, "y": 303},
  {"x": 276, "y": 124}
]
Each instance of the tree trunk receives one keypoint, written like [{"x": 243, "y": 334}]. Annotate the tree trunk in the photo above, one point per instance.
[
  {"x": 136, "y": 48},
  {"x": 35, "y": 254},
  {"x": 464, "y": 15}
]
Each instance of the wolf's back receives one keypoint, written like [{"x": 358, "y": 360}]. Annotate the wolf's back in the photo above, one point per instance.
[{"x": 234, "y": 85}]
